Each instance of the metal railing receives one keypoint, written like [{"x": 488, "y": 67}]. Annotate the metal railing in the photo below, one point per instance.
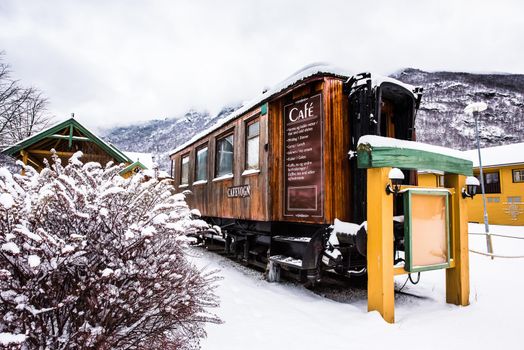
[{"x": 493, "y": 255}]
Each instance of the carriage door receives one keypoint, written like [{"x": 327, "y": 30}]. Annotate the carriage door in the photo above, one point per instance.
[
  {"x": 395, "y": 110},
  {"x": 362, "y": 122}
]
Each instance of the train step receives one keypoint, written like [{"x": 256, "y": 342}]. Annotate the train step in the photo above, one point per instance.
[
  {"x": 292, "y": 239},
  {"x": 214, "y": 237},
  {"x": 286, "y": 261},
  {"x": 299, "y": 252}
]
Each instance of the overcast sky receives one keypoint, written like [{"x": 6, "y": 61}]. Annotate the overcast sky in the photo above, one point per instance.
[{"x": 116, "y": 62}]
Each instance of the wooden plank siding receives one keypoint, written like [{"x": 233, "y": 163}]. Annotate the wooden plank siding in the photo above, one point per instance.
[
  {"x": 211, "y": 198},
  {"x": 266, "y": 202},
  {"x": 337, "y": 108},
  {"x": 275, "y": 168}
]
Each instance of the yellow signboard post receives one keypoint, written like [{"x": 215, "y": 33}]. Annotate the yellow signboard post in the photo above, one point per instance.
[{"x": 436, "y": 231}]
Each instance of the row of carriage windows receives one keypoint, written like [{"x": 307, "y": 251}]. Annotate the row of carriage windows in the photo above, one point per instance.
[{"x": 224, "y": 156}]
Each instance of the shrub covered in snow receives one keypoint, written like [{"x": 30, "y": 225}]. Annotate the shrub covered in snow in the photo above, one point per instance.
[{"x": 89, "y": 260}]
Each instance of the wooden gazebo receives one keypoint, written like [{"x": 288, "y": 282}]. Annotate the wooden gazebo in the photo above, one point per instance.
[{"x": 65, "y": 139}]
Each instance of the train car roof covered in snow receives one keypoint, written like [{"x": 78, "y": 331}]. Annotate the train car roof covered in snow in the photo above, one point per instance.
[
  {"x": 304, "y": 73},
  {"x": 498, "y": 156}
]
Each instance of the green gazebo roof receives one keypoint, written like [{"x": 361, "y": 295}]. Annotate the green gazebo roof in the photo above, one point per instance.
[{"x": 66, "y": 137}]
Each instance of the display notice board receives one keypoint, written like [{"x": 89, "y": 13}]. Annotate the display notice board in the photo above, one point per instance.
[
  {"x": 303, "y": 156},
  {"x": 426, "y": 229}
]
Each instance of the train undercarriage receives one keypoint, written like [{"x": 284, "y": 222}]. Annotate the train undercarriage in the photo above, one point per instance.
[{"x": 301, "y": 252}]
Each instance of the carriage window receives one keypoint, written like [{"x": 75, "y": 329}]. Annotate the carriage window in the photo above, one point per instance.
[
  {"x": 491, "y": 182},
  {"x": 252, "y": 144},
  {"x": 224, "y": 156},
  {"x": 184, "y": 172},
  {"x": 201, "y": 164},
  {"x": 518, "y": 175}
]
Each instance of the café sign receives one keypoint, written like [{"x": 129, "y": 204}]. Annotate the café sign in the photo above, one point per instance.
[{"x": 303, "y": 155}]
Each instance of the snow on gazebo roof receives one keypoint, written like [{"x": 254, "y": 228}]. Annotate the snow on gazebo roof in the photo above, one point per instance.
[
  {"x": 498, "y": 156},
  {"x": 145, "y": 158},
  {"x": 71, "y": 123},
  {"x": 304, "y": 73}
]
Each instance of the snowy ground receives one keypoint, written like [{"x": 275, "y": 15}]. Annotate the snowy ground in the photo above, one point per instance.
[{"x": 260, "y": 315}]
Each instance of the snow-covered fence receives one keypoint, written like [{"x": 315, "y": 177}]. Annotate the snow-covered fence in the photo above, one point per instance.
[{"x": 94, "y": 261}]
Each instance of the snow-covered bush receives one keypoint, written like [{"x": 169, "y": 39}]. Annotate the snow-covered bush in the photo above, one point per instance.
[{"x": 89, "y": 260}]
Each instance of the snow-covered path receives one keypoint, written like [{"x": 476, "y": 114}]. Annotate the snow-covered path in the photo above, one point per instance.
[{"x": 261, "y": 315}]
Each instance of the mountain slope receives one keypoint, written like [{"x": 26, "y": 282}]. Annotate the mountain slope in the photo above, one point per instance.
[
  {"x": 441, "y": 120},
  {"x": 160, "y": 136}
]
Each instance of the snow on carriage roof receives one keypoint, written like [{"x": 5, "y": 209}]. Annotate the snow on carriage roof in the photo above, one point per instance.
[
  {"x": 498, "y": 155},
  {"x": 302, "y": 74},
  {"x": 380, "y": 141}
]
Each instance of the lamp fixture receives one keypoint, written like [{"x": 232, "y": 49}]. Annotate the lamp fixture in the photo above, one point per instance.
[
  {"x": 396, "y": 176},
  {"x": 472, "y": 184}
]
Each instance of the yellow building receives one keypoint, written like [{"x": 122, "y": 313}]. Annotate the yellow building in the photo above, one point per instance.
[
  {"x": 503, "y": 168},
  {"x": 430, "y": 178}
]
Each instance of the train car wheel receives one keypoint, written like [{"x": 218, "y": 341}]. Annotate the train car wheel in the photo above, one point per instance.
[{"x": 313, "y": 277}]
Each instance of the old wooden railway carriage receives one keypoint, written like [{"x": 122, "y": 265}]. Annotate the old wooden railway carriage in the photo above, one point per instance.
[{"x": 274, "y": 176}]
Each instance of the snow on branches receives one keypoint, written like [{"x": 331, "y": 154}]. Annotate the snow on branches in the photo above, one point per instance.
[{"x": 90, "y": 260}]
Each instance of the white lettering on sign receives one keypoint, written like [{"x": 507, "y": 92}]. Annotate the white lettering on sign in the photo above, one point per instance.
[
  {"x": 239, "y": 191},
  {"x": 296, "y": 114},
  {"x": 303, "y": 158}
]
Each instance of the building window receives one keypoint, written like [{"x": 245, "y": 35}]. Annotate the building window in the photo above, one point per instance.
[
  {"x": 515, "y": 199},
  {"x": 491, "y": 182},
  {"x": 493, "y": 199},
  {"x": 173, "y": 168},
  {"x": 184, "y": 170},
  {"x": 252, "y": 144},
  {"x": 201, "y": 164},
  {"x": 518, "y": 175},
  {"x": 224, "y": 156}
]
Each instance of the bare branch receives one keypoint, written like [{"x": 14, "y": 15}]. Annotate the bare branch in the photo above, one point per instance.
[{"x": 23, "y": 111}]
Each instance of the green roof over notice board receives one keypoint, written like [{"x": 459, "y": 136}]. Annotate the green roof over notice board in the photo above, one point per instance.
[{"x": 379, "y": 152}]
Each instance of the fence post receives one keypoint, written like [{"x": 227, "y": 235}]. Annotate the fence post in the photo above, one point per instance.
[{"x": 381, "y": 293}]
